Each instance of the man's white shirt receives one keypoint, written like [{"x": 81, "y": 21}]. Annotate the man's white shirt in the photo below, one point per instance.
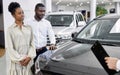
[
  {"x": 41, "y": 29},
  {"x": 118, "y": 65}
]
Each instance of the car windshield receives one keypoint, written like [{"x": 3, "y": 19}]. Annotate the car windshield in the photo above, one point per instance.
[
  {"x": 102, "y": 29},
  {"x": 60, "y": 20}
]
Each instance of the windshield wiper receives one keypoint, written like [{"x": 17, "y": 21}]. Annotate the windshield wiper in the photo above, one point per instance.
[
  {"x": 109, "y": 44},
  {"x": 83, "y": 40}
]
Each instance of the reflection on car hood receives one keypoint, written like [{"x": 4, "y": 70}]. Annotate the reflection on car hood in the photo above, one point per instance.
[
  {"x": 84, "y": 62},
  {"x": 72, "y": 49}
]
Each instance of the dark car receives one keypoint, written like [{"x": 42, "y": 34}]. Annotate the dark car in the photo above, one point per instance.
[{"x": 76, "y": 58}]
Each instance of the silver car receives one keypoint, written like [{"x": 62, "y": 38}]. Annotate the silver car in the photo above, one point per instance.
[{"x": 65, "y": 23}]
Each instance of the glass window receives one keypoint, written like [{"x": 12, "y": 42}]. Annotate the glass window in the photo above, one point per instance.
[
  {"x": 60, "y": 20},
  {"x": 80, "y": 18},
  {"x": 100, "y": 29}
]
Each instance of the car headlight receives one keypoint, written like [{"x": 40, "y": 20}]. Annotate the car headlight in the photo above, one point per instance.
[{"x": 64, "y": 36}]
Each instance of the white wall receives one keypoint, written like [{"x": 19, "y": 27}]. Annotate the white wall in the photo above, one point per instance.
[
  {"x": 66, "y": 8},
  {"x": 87, "y": 8},
  {"x": 54, "y": 7},
  {"x": 71, "y": 8},
  {"x": 28, "y": 8}
]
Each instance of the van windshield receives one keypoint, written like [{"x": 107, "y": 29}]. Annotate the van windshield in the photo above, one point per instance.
[{"x": 60, "y": 20}]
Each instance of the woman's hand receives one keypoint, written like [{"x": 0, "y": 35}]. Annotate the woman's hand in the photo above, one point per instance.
[{"x": 25, "y": 61}]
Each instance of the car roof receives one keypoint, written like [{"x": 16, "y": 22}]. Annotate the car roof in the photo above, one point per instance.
[
  {"x": 63, "y": 12},
  {"x": 112, "y": 16}
]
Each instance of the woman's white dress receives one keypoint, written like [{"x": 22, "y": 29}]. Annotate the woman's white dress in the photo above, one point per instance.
[{"x": 19, "y": 45}]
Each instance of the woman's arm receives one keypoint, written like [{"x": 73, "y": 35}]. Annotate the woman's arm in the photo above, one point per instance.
[
  {"x": 32, "y": 51},
  {"x": 14, "y": 55}
]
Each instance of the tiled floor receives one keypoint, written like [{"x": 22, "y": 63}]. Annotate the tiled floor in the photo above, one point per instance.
[
  {"x": 2, "y": 62},
  {"x": 2, "y": 52}
]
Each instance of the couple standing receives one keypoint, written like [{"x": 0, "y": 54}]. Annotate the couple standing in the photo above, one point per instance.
[{"x": 22, "y": 48}]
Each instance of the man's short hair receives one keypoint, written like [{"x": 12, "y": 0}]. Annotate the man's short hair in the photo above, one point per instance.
[{"x": 39, "y": 5}]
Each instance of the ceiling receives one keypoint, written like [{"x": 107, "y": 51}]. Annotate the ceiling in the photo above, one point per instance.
[{"x": 80, "y": 2}]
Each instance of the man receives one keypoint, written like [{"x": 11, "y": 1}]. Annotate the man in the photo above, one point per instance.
[
  {"x": 41, "y": 28},
  {"x": 113, "y": 63}
]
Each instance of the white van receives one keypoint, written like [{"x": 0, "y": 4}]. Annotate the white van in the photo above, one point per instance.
[{"x": 65, "y": 23}]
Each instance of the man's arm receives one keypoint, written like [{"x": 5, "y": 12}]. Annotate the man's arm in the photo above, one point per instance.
[
  {"x": 51, "y": 37},
  {"x": 113, "y": 63}
]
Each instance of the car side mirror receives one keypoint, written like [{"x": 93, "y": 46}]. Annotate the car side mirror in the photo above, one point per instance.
[
  {"x": 74, "y": 34},
  {"x": 81, "y": 23}
]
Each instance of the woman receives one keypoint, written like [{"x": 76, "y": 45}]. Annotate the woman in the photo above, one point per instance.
[{"x": 20, "y": 45}]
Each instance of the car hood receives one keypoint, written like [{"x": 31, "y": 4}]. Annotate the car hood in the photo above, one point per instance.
[
  {"x": 79, "y": 58},
  {"x": 63, "y": 30}
]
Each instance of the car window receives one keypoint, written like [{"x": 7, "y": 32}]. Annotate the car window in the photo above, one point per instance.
[
  {"x": 60, "y": 20},
  {"x": 116, "y": 27},
  {"x": 100, "y": 29},
  {"x": 80, "y": 18}
]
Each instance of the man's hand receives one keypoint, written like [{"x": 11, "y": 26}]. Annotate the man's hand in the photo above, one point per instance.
[
  {"x": 52, "y": 47},
  {"x": 111, "y": 62},
  {"x": 25, "y": 61}
]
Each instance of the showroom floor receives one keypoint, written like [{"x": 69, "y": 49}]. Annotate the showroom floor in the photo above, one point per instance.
[{"x": 2, "y": 62}]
